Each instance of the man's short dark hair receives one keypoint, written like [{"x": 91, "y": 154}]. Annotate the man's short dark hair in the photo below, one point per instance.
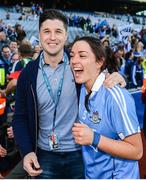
[
  {"x": 5, "y": 46},
  {"x": 53, "y": 14}
]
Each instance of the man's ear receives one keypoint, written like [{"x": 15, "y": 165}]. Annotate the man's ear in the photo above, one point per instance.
[{"x": 67, "y": 36}]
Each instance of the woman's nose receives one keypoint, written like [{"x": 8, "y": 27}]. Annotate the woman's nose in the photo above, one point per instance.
[{"x": 74, "y": 59}]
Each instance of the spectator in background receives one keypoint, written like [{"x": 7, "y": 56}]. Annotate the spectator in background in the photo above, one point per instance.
[
  {"x": 105, "y": 41},
  {"x": 139, "y": 46},
  {"x": 7, "y": 15},
  {"x": 25, "y": 55},
  {"x": 5, "y": 60},
  {"x": 3, "y": 39},
  {"x": 128, "y": 68},
  {"x": 11, "y": 33},
  {"x": 21, "y": 34},
  {"x": 120, "y": 56},
  {"x": 143, "y": 36},
  {"x": 114, "y": 31},
  {"x": 1, "y": 25},
  {"x": 5, "y": 68},
  {"x": 13, "y": 47},
  {"x": 37, "y": 49},
  {"x": 15, "y": 59},
  {"x": 6, "y": 54},
  {"x": 137, "y": 70}
]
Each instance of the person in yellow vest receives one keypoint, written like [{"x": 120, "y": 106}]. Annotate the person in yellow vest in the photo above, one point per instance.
[
  {"x": 5, "y": 65},
  {"x": 144, "y": 61},
  {"x": 25, "y": 54},
  {"x": 5, "y": 58},
  {"x": 2, "y": 76}
]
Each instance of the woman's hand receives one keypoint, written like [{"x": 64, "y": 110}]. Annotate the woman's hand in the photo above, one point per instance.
[{"x": 83, "y": 134}]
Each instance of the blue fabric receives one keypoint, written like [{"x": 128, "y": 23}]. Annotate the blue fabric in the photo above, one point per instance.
[
  {"x": 117, "y": 114},
  {"x": 66, "y": 110},
  {"x": 96, "y": 139},
  {"x": 139, "y": 106}
]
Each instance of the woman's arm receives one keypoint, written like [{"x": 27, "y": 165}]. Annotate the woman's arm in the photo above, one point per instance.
[{"x": 129, "y": 148}]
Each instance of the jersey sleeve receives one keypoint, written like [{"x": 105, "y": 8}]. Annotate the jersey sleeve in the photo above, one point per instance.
[{"x": 123, "y": 113}]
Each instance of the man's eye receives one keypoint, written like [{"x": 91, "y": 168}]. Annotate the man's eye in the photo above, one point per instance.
[
  {"x": 59, "y": 32},
  {"x": 46, "y": 32}
]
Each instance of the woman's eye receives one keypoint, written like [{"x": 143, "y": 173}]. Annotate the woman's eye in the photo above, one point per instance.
[{"x": 82, "y": 56}]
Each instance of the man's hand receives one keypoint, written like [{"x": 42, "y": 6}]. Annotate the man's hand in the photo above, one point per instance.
[
  {"x": 10, "y": 132},
  {"x": 2, "y": 93},
  {"x": 31, "y": 165},
  {"x": 83, "y": 134},
  {"x": 1, "y": 177},
  {"x": 114, "y": 79},
  {"x": 3, "y": 151}
]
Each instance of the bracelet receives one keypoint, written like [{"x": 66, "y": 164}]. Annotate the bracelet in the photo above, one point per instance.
[{"x": 96, "y": 138}]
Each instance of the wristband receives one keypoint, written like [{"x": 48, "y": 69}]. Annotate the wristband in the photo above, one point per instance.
[{"x": 96, "y": 138}]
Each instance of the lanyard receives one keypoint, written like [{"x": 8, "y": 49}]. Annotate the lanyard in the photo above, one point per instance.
[{"x": 55, "y": 97}]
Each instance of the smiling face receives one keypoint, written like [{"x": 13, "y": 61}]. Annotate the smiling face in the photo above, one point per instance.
[
  {"x": 53, "y": 36},
  {"x": 13, "y": 46},
  {"x": 6, "y": 52},
  {"x": 84, "y": 63}
]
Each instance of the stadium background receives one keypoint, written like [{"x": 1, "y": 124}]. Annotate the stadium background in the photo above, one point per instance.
[{"x": 110, "y": 6}]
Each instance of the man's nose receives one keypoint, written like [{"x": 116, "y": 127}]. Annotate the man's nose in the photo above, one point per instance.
[{"x": 52, "y": 36}]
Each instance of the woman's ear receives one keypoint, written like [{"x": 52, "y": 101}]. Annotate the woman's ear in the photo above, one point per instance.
[{"x": 100, "y": 63}]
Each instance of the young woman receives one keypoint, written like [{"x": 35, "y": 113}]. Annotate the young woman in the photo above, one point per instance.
[{"x": 108, "y": 131}]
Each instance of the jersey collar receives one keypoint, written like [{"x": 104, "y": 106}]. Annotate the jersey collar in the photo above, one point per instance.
[{"x": 98, "y": 83}]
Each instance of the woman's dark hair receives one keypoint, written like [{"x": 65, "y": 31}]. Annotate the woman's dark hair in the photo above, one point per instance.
[
  {"x": 53, "y": 14},
  {"x": 101, "y": 53},
  {"x": 111, "y": 62},
  {"x": 128, "y": 54}
]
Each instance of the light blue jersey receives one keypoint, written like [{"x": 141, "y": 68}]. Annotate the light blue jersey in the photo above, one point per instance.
[{"x": 112, "y": 114}]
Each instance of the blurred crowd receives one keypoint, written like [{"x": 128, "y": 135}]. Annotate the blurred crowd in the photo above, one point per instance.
[{"x": 128, "y": 48}]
